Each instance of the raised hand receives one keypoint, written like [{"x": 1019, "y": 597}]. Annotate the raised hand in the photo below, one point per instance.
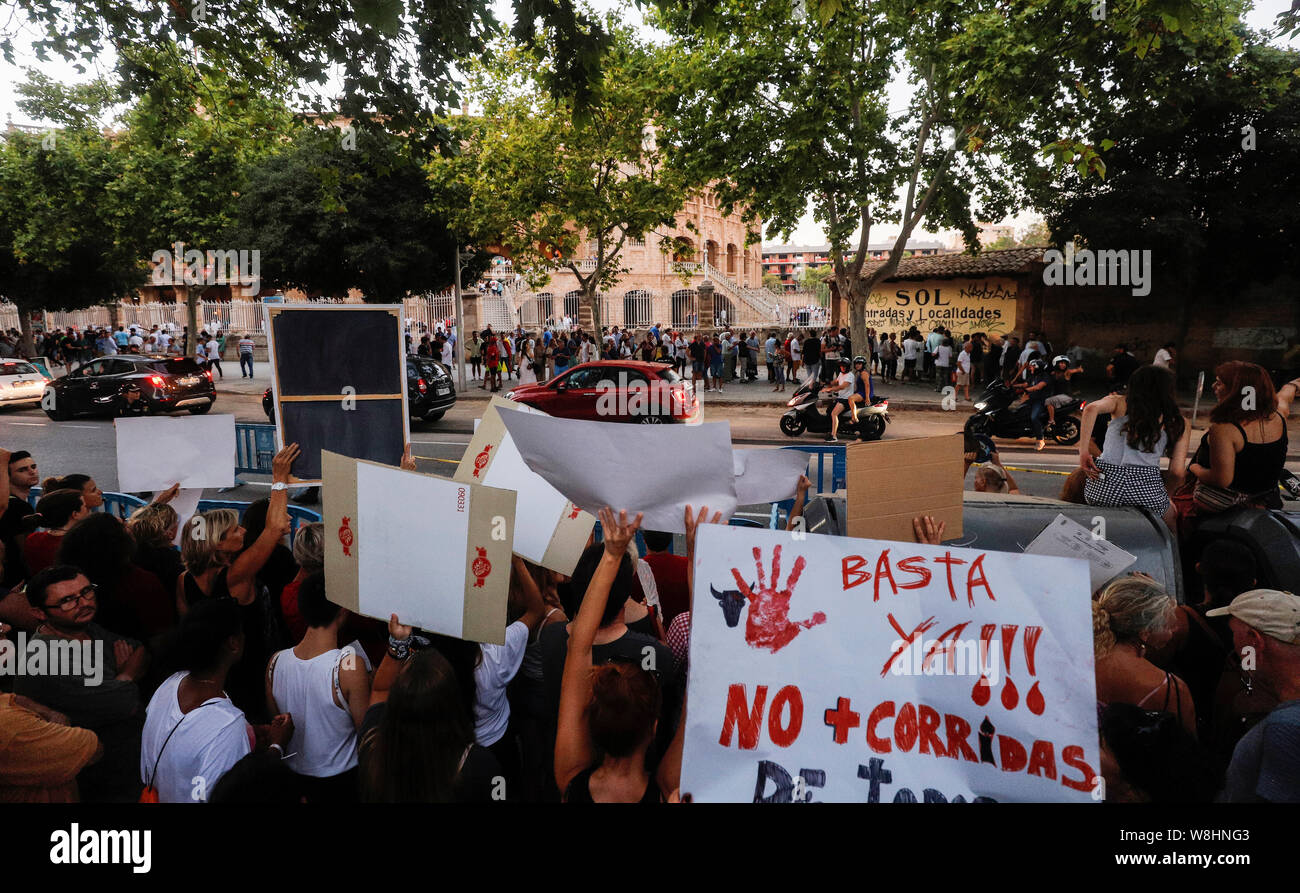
[
  {"x": 693, "y": 522},
  {"x": 769, "y": 625},
  {"x": 619, "y": 531},
  {"x": 408, "y": 461},
  {"x": 927, "y": 531},
  {"x": 283, "y": 462}
]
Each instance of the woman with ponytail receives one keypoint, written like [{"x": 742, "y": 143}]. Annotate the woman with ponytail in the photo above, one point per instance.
[
  {"x": 83, "y": 483},
  {"x": 1131, "y": 615},
  {"x": 56, "y": 512}
]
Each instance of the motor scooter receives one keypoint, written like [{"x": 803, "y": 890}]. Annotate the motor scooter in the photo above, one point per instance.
[{"x": 810, "y": 411}]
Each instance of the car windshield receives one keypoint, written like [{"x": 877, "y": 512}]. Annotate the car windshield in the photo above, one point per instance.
[
  {"x": 175, "y": 366},
  {"x": 18, "y": 369}
]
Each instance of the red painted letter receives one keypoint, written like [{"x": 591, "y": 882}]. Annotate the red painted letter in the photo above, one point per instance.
[
  {"x": 852, "y": 564},
  {"x": 882, "y": 711},
  {"x": 737, "y": 715},
  {"x": 784, "y": 737}
]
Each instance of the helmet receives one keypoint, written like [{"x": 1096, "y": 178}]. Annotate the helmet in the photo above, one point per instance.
[
  {"x": 1056, "y": 361},
  {"x": 859, "y": 359},
  {"x": 1037, "y": 365},
  {"x": 844, "y": 363}
]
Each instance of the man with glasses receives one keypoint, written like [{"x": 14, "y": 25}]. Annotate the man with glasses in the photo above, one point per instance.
[{"x": 90, "y": 675}]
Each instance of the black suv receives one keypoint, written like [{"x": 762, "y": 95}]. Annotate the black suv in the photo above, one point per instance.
[
  {"x": 430, "y": 391},
  {"x": 166, "y": 384}
]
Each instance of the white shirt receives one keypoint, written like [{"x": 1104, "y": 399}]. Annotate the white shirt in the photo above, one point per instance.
[
  {"x": 499, "y": 665},
  {"x": 963, "y": 361},
  {"x": 164, "y": 340},
  {"x": 910, "y": 347},
  {"x": 208, "y": 741},
  {"x": 844, "y": 381},
  {"x": 1163, "y": 359},
  {"x": 446, "y": 353},
  {"x": 324, "y": 735},
  {"x": 214, "y": 350},
  {"x": 135, "y": 341},
  {"x": 943, "y": 355}
]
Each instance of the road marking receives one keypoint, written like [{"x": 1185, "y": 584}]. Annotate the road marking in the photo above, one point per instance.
[
  {"x": 92, "y": 427},
  {"x": 459, "y": 443},
  {"x": 30, "y": 424}
]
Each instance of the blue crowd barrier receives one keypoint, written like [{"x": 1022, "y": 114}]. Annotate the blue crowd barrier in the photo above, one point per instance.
[
  {"x": 123, "y": 504},
  {"x": 835, "y": 453},
  {"x": 254, "y": 448}
]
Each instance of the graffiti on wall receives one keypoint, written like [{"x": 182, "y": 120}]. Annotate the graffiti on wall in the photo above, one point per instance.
[{"x": 1254, "y": 337}]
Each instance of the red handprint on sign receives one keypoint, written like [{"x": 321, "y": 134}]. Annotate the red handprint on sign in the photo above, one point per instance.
[{"x": 769, "y": 625}]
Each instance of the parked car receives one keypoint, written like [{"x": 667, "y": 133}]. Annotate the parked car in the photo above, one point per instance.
[
  {"x": 167, "y": 384},
  {"x": 20, "y": 382},
  {"x": 430, "y": 391},
  {"x": 615, "y": 391}
]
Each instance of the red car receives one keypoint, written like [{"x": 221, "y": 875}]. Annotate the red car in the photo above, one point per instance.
[{"x": 615, "y": 391}]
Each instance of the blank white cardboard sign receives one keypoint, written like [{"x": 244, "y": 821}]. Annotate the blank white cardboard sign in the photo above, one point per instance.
[
  {"x": 155, "y": 452},
  {"x": 768, "y": 475},
  {"x": 655, "y": 469}
]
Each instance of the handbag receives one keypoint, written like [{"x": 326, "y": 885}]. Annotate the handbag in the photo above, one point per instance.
[
  {"x": 150, "y": 793},
  {"x": 1211, "y": 499}
]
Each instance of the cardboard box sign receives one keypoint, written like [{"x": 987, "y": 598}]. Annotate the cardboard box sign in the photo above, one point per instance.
[
  {"x": 554, "y": 530},
  {"x": 435, "y": 552},
  {"x": 890, "y": 482}
]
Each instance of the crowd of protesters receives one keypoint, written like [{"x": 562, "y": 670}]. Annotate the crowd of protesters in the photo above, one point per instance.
[{"x": 227, "y": 674}]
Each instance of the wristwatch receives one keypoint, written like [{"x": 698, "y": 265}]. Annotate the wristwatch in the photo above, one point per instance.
[{"x": 279, "y": 485}]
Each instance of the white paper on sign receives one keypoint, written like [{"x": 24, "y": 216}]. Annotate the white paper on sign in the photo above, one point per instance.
[
  {"x": 1066, "y": 538},
  {"x": 654, "y": 469},
  {"x": 537, "y": 501},
  {"x": 154, "y": 453},
  {"x": 413, "y": 515},
  {"x": 834, "y": 669},
  {"x": 768, "y": 475},
  {"x": 186, "y": 505}
]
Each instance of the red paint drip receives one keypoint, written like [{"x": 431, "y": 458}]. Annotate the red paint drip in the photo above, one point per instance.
[
  {"x": 1032, "y": 634},
  {"x": 1034, "y": 701},
  {"x": 982, "y": 691},
  {"x": 1008, "y": 642},
  {"x": 1010, "y": 695}
]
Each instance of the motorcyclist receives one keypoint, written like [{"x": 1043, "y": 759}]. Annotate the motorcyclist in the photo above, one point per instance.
[
  {"x": 1036, "y": 391},
  {"x": 862, "y": 392},
  {"x": 1059, "y": 388},
  {"x": 844, "y": 385}
]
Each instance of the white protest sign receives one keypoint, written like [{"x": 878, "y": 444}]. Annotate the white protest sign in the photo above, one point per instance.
[
  {"x": 435, "y": 552},
  {"x": 186, "y": 505},
  {"x": 155, "y": 452},
  {"x": 1066, "y": 538},
  {"x": 655, "y": 469},
  {"x": 872, "y": 671},
  {"x": 556, "y": 531},
  {"x": 767, "y": 475}
]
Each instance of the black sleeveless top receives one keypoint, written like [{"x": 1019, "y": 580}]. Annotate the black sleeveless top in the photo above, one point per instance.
[
  {"x": 1259, "y": 464},
  {"x": 579, "y": 790}
]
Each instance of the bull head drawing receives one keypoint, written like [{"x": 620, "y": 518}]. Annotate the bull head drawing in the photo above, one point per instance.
[{"x": 732, "y": 601}]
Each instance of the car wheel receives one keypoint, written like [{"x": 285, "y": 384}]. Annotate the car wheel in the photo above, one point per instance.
[
  {"x": 434, "y": 416},
  {"x": 198, "y": 410},
  {"x": 1067, "y": 431},
  {"x": 792, "y": 425},
  {"x": 651, "y": 420}
]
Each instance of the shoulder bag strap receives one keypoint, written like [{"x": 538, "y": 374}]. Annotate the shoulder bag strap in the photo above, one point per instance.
[{"x": 153, "y": 775}]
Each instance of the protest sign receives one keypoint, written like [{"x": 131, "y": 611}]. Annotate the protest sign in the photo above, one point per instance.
[
  {"x": 338, "y": 379},
  {"x": 435, "y": 552},
  {"x": 554, "y": 531},
  {"x": 655, "y": 469},
  {"x": 849, "y": 670},
  {"x": 154, "y": 452},
  {"x": 767, "y": 475},
  {"x": 890, "y": 482},
  {"x": 1066, "y": 538}
]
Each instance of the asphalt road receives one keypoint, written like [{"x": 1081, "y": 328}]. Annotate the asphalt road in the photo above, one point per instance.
[{"x": 88, "y": 445}]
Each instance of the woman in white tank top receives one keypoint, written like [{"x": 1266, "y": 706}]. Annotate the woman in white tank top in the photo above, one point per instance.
[{"x": 326, "y": 689}]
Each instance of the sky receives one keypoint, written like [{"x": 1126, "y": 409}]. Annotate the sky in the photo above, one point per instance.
[{"x": 808, "y": 232}]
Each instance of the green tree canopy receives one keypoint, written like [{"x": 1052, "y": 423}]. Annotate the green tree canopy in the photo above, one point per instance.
[
  {"x": 555, "y": 189},
  {"x": 788, "y": 101},
  {"x": 338, "y": 211}
]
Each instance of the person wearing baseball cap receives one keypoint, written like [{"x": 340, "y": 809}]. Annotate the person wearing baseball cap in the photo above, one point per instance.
[{"x": 1265, "y": 765}]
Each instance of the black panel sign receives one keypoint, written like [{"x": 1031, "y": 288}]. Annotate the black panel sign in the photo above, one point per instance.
[{"x": 339, "y": 382}]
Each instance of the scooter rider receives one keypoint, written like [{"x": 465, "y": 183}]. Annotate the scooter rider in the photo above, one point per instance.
[
  {"x": 844, "y": 384},
  {"x": 862, "y": 392},
  {"x": 1036, "y": 392},
  {"x": 1059, "y": 388}
]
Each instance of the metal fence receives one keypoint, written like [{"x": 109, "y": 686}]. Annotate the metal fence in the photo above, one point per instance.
[{"x": 642, "y": 308}]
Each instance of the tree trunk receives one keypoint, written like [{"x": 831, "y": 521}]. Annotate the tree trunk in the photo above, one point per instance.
[
  {"x": 25, "y": 325},
  {"x": 858, "y": 319},
  {"x": 192, "y": 317},
  {"x": 592, "y": 300}
]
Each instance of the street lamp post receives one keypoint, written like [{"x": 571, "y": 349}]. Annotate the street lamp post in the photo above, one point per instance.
[{"x": 460, "y": 326}]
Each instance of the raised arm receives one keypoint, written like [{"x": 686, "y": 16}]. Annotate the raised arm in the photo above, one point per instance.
[
  {"x": 1094, "y": 409},
  {"x": 245, "y": 568},
  {"x": 573, "y": 748},
  {"x": 692, "y": 523},
  {"x": 800, "y": 498},
  {"x": 391, "y": 666},
  {"x": 1286, "y": 395},
  {"x": 531, "y": 597}
]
